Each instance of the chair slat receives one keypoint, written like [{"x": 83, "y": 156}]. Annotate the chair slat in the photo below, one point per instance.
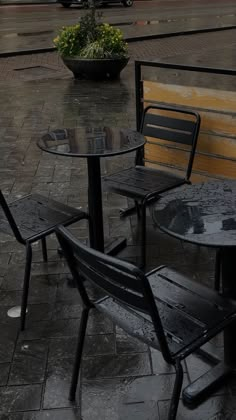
[
  {"x": 135, "y": 324},
  {"x": 184, "y": 327},
  {"x": 198, "y": 289},
  {"x": 170, "y": 135},
  {"x": 169, "y": 122},
  {"x": 174, "y": 295},
  {"x": 139, "y": 181},
  {"x": 122, "y": 294},
  {"x": 116, "y": 273}
]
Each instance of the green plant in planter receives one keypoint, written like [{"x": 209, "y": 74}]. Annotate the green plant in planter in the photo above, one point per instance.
[{"x": 91, "y": 39}]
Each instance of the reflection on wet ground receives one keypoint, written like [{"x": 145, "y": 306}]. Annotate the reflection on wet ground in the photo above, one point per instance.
[
  {"x": 31, "y": 28},
  {"x": 122, "y": 378}
]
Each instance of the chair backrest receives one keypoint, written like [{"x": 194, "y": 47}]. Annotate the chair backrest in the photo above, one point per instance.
[
  {"x": 122, "y": 281},
  {"x": 10, "y": 218},
  {"x": 175, "y": 127}
]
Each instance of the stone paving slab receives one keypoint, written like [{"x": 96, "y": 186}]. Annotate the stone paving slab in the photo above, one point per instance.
[
  {"x": 27, "y": 28},
  {"x": 50, "y": 65},
  {"x": 122, "y": 379}
]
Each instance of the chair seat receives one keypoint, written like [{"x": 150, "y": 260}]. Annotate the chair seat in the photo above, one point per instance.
[
  {"x": 36, "y": 215},
  {"x": 189, "y": 312},
  {"x": 139, "y": 181}
]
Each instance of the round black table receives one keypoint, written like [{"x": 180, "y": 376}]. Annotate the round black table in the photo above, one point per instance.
[
  {"x": 92, "y": 143},
  {"x": 205, "y": 214}
]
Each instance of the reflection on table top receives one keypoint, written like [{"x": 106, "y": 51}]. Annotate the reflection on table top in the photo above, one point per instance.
[
  {"x": 91, "y": 142},
  {"x": 201, "y": 213}
]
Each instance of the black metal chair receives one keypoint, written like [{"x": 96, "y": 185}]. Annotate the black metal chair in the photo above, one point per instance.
[
  {"x": 144, "y": 184},
  {"x": 164, "y": 309},
  {"x": 30, "y": 219}
]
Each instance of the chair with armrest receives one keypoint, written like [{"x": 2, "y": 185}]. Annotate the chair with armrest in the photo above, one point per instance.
[
  {"x": 171, "y": 129},
  {"x": 163, "y": 308},
  {"x": 30, "y": 219}
]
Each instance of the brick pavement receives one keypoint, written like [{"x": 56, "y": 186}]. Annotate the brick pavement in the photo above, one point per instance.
[
  {"x": 49, "y": 65},
  {"x": 27, "y": 28},
  {"x": 122, "y": 379}
]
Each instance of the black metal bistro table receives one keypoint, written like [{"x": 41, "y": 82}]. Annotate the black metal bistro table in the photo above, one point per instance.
[
  {"x": 205, "y": 214},
  {"x": 93, "y": 143}
]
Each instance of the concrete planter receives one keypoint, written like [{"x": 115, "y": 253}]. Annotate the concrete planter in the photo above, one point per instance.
[{"x": 95, "y": 69}]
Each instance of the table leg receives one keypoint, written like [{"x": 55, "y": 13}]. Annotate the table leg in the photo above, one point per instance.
[
  {"x": 229, "y": 290},
  {"x": 95, "y": 210},
  {"x": 203, "y": 386},
  {"x": 95, "y": 204}
]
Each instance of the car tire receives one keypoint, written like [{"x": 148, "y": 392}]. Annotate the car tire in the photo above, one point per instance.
[
  {"x": 127, "y": 3},
  {"x": 66, "y": 3}
]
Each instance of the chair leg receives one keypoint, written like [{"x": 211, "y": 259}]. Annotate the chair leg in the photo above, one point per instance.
[
  {"x": 143, "y": 235},
  {"x": 44, "y": 249},
  {"x": 217, "y": 270},
  {"x": 26, "y": 284},
  {"x": 176, "y": 392},
  {"x": 79, "y": 352}
]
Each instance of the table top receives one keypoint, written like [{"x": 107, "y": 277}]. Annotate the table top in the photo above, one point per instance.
[
  {"x": 91, "y": 141},
  {"x": 203, "y": 214}
]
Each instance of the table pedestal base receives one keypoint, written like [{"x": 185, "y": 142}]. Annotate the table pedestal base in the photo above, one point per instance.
[
  {"x": 202, "y": 387},
  {"x": 129, "y": 211},
  {"x": 116, "y": 246},
  {"x": 209, "y": 357}
]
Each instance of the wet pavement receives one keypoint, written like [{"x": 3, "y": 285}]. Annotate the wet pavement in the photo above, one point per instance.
[
  {"x": 122, "y": 379},
  {"x": 35, "y": 26}
]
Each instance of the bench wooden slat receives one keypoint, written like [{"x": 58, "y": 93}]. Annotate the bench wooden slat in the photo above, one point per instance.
[
  {"x": 202, "y": 163},
  {"x": 196, "y": 97},
  {"x": 216, "y": 148}
]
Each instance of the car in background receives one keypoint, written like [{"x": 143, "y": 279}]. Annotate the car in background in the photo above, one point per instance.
[{"x": 85, "y": 3}]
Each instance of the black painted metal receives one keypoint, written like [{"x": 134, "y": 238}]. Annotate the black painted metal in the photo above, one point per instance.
[
  {"x": 128, "y": 211},
  {"x": 209, "y": 356},
  {"x": 144, "y": 184},
  {"x": 115, "y": 246},
  {"x": 138, "y": 92},
  {"x": 79, "y": 353},
  {"x": 214, "y": 70},
  {"x": 162, "y": 308},
  {"x": 202, "y": 387},
  {"x": 95, "y": 203},
  {"x": 218, "y": 270},
  {"x": 176, "y": 392},
  {"x": 89, "y": 142},
  {"x": 44, "y": 249},
  {"x": 93, "y": 143},
  {"x": 26, "y": 284},
  {"x": 205, "y": 214},
  {"x": 228, "y": 257},
  {"x": 202, "y": 213},
  {"x": 30, "y": 219},
  {"x": 10, "y": 219}
]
